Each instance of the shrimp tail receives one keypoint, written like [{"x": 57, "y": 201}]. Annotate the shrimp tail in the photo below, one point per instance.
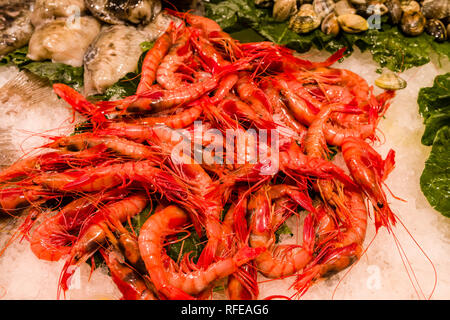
[
  {"x": 328, "y": 262},
  {"x": 208, "y": 253}
]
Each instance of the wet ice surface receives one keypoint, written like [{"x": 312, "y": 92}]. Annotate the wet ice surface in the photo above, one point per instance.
[{"x": 380, "y": 273}]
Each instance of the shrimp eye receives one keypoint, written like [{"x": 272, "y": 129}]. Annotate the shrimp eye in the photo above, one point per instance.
[{"x": 380, "y": 205}]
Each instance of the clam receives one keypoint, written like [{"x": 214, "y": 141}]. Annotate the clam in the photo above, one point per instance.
[
  {"x": 413, "y": 23},
  {"x": 283, "y": 9},
  {"x": 330, "y": 24},
  {"x": 323, "y": 7},
  {"x": 436, "y": 9},
  {"x": 353, "y": 23},
  {"x": 436, "y": 28},
  {"x": 410, "y": 7},
  {"x": 395, "y": 10},
  {"x": 305, "y": 20},
  {"x": 344, "y": 7},
  {"x": 390, "y": 81}
]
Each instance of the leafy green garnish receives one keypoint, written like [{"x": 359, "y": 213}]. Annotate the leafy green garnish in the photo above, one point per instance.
[
  {"x": 17, "y": 57},
  {"x": 388, "y": 46},
  {"x": 57, "y": 73},
  {"x": 192, "y": 245},
  {"x": 53, "y": 72},
  {"x": 283, "y": 229},
  {"x": 435, "y": 178},
  {"x": 434, "y": 106}
]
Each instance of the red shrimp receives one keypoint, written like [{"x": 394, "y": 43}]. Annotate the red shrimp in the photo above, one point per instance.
[
  {"x": 53, "y": 237},
  {"x": 211, "y": 57},
  {"x": 176, "y": 121},
  {"x": 78, "y": 102},
  {"x": 343, "y": 250},
  {"x": 316, "y": 146},
  {"x": 212, "y": 31},
  {"x": 369, "y": 171},
  {"x": 225, "y": 86},
  {"x": 88, "y": 140},
  {"x": 132, "y": 285},
  {"x": 101, "y": 178},
  {"x": 181, "y": 285},
  {"x": 14, "y": 199},
  {"x": 295, "y": 162},
  {"x": 52, "y": 161},
  {"x": 93, "y": 233},
  {"x": 278, "y": 260},
  {"x": 180, "y": 52},
  {"x": 249, "y": 92},
  {"x": 158, "y": 99},
  {"x": 153, "y": 58}
]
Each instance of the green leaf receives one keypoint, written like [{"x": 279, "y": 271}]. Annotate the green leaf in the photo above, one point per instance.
[
  {"x": 283, "y": 229},
  {"x": 435, "y": 178},
  {"x": 57, "y": 73},
  {"x": 17, "y": 57},
  {"x": 434, "y": 106},
  {"x": 53, "y": 72},
  {"x": 147, "y": 45},
  {"x": 192, "y": 245}
]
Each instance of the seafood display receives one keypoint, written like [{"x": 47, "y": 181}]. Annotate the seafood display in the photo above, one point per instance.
[
  {"x": 355, "y": 16},
  {"x": 102, "y": 34},
  {"x": 223, "y": 140}
]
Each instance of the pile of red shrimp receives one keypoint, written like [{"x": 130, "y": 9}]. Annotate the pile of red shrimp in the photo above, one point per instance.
[{"x": 198, "y": 86}]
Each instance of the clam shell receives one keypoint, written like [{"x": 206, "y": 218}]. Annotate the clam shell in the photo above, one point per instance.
[
  {"x": 437, "y": 29},
  {"x": 436, "y": 9},
  {"x": 413, "y": 23},
  {"x": 330, "y": 24},
  {"x": 283, "y": 9},
  {"x": 344, "y": 7},
  {"x": 390, "y": 81},
  {"x": 410, "y": 7},
  {"x": 395, "y": 10},
  {"x": 305, "y": 20},
  {"x": 353, "y": 23}
]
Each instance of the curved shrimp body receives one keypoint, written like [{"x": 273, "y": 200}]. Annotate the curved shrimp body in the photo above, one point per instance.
[
  {"x": 316, "y": 146},
  {"x": 101, "y": 178},
  {"x": 153, "y": 59},
  {"x": 369, "y": 171},
  {"x": 298, "y": 106},
  {"x": 52, "y": 238},
  {"x": 249, "y": 92},
  {"x": 123, "y": 147},
  {"x": 93, "y": 233},
  {"x": 343, "y": 250},
  {"x": 283, "y": 115},
  {"x": 180, "y": 52},
  {"x": 225, "y": 86},
  {"x": 212, "y": 58},
  {"x": 48, "y": 161},
  {"x": 128, "y": 281},
  {"x": 176, "y": 121},
  {"x": 278, "y": 260},
  {"x": 181, "y": 285}
]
